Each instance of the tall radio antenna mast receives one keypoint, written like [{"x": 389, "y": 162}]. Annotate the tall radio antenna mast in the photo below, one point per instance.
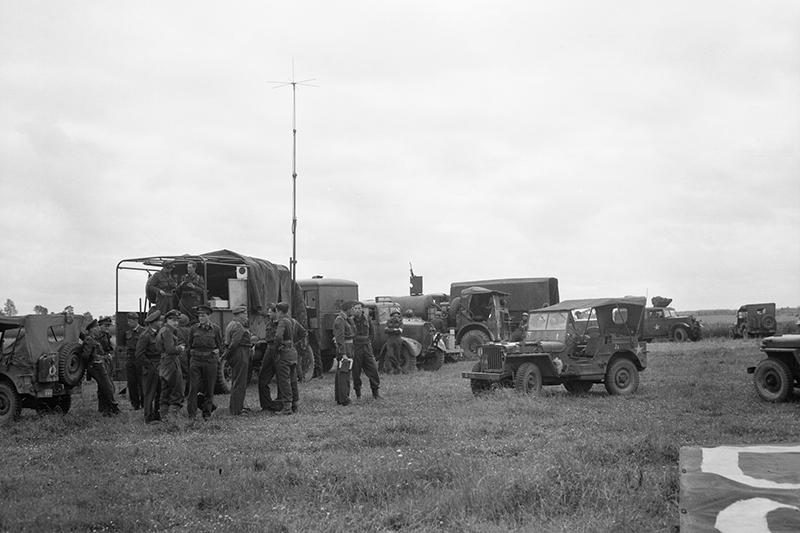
[{"x": 294, "y": 83}]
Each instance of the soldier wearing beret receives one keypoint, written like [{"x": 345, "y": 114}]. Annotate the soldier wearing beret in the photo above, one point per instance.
[
  {"x": 238, "y": 343},
  {"x": 133, "y": 369},
  {"x": 148, "y": 356},
  {"x": 363, "y": 358},
  {"x": 169, "y": 367},
  {"x": 205, "y": 344},
  {"x": 96, "y": 368}
]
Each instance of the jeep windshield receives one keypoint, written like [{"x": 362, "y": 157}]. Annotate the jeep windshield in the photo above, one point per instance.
[{"x": 547, "y": 326}]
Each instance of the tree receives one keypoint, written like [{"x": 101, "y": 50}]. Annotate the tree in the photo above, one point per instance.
[
  {"x": 9, "y": 309},
  {"x": 40, "y": 310}
]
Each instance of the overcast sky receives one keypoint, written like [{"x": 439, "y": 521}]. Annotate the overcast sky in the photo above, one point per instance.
[{"x": 626, "y": 147}]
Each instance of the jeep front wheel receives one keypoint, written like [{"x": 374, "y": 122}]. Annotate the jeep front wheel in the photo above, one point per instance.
[
  {"x": 471, "y": 341},
  {"x": 528, "y": 379},
  {"x": 10, "y": 405},
  {"x": 773, "y": 380},
  {"x": 680, "y": 334},
  {"x": 478, "y": 386},
  {"x": 70, "y": 364},
  {"x": 577, "y": 387},
  {"x": 622, "y": 377}
]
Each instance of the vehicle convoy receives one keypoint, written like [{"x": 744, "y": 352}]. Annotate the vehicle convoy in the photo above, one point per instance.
[
  {"x": 231, "y": 280},
  {"x": 489, "y": 310},
  {"x": 663, "y": 322},
  {"x": 575, "y": 343},
  {"x": 41, "y": 365},
  {"x": 776, "y": 376},
  {"x": 755, "y": 320}
]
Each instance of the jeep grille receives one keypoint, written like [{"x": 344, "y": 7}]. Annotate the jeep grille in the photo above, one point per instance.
[{"x": 494, "y": 358}]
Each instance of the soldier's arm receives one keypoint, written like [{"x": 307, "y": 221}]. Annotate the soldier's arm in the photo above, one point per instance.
[
  {"x": 237, "y": 332},
  {"x": 169, "y": 344},
  {"x": 218, "y": 337}
]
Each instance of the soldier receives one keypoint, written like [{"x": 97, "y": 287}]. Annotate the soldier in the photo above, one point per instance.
[
  {"x": 104, "y": 325},
  {"x": 286, "y": 362},
  {"x": 133, "y": 369},
  {"x": 238, "y": 343},
  {"x": 205, "y": 344},
  {"x": 191, "y": 291},
  {"x": 268, "y": 371},
  {"x": 148, "y": 356},
  {"x": 363, "y": 358},
  {"x": 160, "y": 289},
  {"x": 183, "y": 340},
  {"x": 394, "y": 342},
  {"x": 169, "y": 368},
  {"x": 301, "y": 345},
  {"x": 343, "y": 334},
  {"x": 519, "y": 333},
  {"x": 96, "y": 368},
  {"x": 438, "y": 322}
]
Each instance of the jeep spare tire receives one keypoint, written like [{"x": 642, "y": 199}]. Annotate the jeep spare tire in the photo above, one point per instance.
[
  {"x": 471, "y": 341},
  {"x": 70, "y": 364},
  {"x": 768, "y": 322}
]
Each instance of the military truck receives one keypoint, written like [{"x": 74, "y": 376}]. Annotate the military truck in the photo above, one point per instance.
[
  {"x": 322, "y": 298},
  {"x": 41, "y": 366},
  {"x": 776, "y": 376},
  {"x": 663, "y": 322},
  {"x": 755, "y": 320},
  {"x": 231, "y": 280},
  {"x": 575, "y": 343},
  {"x": 504, "y": 300}
]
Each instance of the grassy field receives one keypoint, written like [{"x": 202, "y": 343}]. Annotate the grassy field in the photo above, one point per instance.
[{"x": 430, "y": 457}]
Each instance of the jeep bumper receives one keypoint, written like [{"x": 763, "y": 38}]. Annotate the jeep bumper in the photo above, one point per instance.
[{"x": 484, "y": 376}]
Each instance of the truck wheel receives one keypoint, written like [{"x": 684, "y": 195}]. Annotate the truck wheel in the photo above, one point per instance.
[
  {"x": 528, "y": 379},
  {"x": 773, "y": 380},
  {"x": 432, "y": 361},
  {"x": 223, "y": 384},
  {"x": 70, "y": 364},
  {"x": 679, "y": 334},
  {"x": 478, "y": 386},
  {"x": 622, "y": 377},
  {"x": 10, "y": 406},
  {"x": 471, "y": 341},
  {"x": 578, "y": 387}
]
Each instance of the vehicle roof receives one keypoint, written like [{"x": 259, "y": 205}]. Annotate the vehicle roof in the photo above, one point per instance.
[
  {"x": 568, "y": 305},
  {"x": 481, "y": 290},
  {"x": 160, "y": 260},
  {"x": 767, "y": 304},
  {"x": 11, "y": 322},
  {"x": 326, "y": 282}
]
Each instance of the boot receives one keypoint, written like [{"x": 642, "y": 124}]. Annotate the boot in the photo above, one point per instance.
[
  {"x": 376, "y": 395},
  {"x": 287, "y": 409}
]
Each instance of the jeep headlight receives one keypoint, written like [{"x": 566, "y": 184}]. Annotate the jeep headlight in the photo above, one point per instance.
[{"x": 480, "y": 351}]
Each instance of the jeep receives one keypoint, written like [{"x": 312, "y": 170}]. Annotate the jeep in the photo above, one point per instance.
[
  {"x": 40, "y": 363},
  {"x": 755, "y": 320},
  {"x": 575, "y": 343},
  {"x": 776, "y": 376}
]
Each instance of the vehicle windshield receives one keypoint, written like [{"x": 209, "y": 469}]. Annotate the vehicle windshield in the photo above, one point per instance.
[
  {"x": 670, "y": 313},
  {"x": 547, "y": 326}
]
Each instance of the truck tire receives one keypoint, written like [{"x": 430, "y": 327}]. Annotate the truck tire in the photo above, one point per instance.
[
  {"x": 680, "y": 334},
  {"x": 478, "y": 386},
  {"x": 577, "y": 387},
  {"x": 471, "y": 341},
  {"x": 70, "y": 364},
  {"x": 223, "y": 384},
  {"x": 622, "y": 377},
  {"x": 528, "y": 379},
  {"x": 773, "y": 380},
  {"x": 432, "y": 361},
  {"x": 10, "y": 405}
]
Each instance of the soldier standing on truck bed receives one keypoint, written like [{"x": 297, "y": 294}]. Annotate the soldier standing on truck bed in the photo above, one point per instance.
[
  {"x": 96, "y": 368},
  {"x": 160, "y": 289},
  {"x": 133, "y": 369},
  {"x": 204, "y": 346},
  {"x": 190, "y": 291},
  {"x": 169, "y": 368},
  {"x": 147, "y": 357},
  {"x": 238, "y": 343},
  {"x": 363, "y": 358}
]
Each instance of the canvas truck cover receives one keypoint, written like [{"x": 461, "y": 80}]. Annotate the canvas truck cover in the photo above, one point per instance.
[{"x": 524, "y": 293}]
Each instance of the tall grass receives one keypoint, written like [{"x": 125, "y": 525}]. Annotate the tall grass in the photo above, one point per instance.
[{"x": 430, "y": 457}]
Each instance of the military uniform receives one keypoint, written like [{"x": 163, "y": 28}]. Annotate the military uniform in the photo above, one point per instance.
[
  {"x": 190, "y": 293},
  {"x": 238, "y": 342},
  {"x": 169, "y": 370},
  {"x": 267, "y": 371},
  {"x": 183, "y": 339},
  {"x": 363, "y": 358},
  {"x": 161, "y": 281},
  {"x": 148, "y": 356},
  {"x": 286, "y": 364},
  {"x": 104, "y": 338},
  {"x": 343, "y": 334},
  {"x": 133, "y": 369},
  {"x": 96, "y": 368},
  {"x": 394, "y": 344},
  {"x": 205, "y": 343}
]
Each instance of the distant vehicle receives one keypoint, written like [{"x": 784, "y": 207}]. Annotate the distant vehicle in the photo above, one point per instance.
[
  {"x": 575, "y": 343},
  {"x": 662, "y": 322},
  {"x": 776, "y": 376},
  {"x": 41, "y": 365},
  {"x": 323, "y": 298},
  {"x": 755, "y": 320}
]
